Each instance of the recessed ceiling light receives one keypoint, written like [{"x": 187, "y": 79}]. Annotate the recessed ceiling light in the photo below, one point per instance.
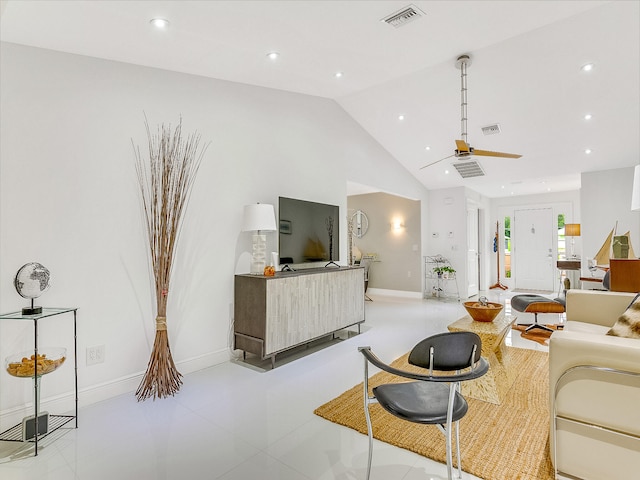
[
  {"x": 587, "y": 67},
  {"x": 273, "y": 55},
  {"x": 339, "y": 74},
  {"x": 446, "y": 172},
  {"x": 587, "y": 151},
  {"x": 427, "y": 147},
  {"x": 160, "y": 23},
  {"x": 588, "y": 116},
  {"x": 400, "y": 117}
]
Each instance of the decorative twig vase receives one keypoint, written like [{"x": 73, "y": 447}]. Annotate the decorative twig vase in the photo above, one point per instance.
[{"x": 165, "y": 184}]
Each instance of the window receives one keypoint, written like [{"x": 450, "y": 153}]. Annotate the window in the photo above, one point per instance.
[{"x": 562, "y": 244}]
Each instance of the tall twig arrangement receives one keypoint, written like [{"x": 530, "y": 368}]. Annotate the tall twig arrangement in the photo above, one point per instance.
[
  {"x": 165, "y": 184},
  {"x": 329, "y": 224}
]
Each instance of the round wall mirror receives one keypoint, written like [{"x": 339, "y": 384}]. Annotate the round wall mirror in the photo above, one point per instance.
[{"x": 360, "y": 223}]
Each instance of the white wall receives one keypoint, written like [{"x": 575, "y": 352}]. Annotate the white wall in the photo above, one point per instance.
[
  {"x": 485, "y": 233},
  {"x": 603, "y": 200},
  {"x": 447, "y": 213},
  {"x": 448, "y": 230},
  {"x": 69, "y": 199},
  {"x": 606, "y": 203},
  {"x": 399, "y": 265},
  {"x": 448, "y": 234},
  {"x": 567, "y": 203}
]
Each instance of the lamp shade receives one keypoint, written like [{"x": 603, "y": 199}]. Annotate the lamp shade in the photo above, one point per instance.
[
  {"x": 572, "y": 229},
  {"x": 259, "y": 216},
  {"x": 635, "y": 192}
]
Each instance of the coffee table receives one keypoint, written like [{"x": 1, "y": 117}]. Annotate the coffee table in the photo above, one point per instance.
[{"x": 493, "y": 386}]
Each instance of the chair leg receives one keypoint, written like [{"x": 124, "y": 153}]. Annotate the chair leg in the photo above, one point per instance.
[
  {"x": 369, "y": 431},
  {"x": 368, "y": 417},
  {"x": 449, "y": 455},
  {"x": 458, "y": 449},
  {"x": 453, "y": 388},
  {"x": 458, "y": 440},
  {"x": 537, "y": 325}
]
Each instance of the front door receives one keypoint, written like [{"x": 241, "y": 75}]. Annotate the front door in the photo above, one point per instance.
[{"x": 532, "y": 239}]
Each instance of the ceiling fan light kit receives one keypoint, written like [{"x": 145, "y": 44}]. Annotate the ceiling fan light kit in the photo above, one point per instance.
[
  {"x": 469, "y": 169},
  {"x": 464, "y": 150}
]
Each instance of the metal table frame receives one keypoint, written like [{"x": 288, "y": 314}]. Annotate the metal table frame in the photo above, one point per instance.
[{"x": 14, "y": 433}]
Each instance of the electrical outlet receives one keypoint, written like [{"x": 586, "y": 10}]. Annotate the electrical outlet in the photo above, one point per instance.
[
  {"x": 95, "y": 355},
  {"x": 409, "y": 274}
]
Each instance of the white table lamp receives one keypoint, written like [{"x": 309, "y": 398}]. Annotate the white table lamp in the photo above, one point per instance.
[
  {"x": 259, "y": 217},
  {"x": 572, "y": 230}
]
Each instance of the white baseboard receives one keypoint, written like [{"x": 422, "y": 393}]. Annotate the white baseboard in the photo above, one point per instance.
[
  {"x": 203, "y": 361},
  {"x": 394, "y": 293},
  {"x": 65, "y": 404}
]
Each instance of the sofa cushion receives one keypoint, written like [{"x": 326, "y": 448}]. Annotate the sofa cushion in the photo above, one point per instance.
[
  {"x": 628, "y": 325},
  {"x": 584, "y": 327}
]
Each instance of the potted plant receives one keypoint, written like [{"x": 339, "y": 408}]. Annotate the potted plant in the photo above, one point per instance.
[{"x": 444, "y": 271}]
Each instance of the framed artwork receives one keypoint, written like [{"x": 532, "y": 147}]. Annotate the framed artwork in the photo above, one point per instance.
[{"x": 285, "y": 227}]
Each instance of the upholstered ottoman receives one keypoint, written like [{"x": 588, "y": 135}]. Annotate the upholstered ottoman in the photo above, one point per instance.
[{"x": 537, "y": 304}]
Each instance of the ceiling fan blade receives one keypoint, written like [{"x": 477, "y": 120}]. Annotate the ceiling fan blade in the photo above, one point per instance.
[
  {"x": 437, "y": 161},
  {"x": 462, "y": 146},
  {"x": 488, "y": 153}
]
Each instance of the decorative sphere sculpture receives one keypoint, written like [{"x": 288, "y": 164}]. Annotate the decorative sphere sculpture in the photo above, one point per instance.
[{"x": 31, "y": 281}]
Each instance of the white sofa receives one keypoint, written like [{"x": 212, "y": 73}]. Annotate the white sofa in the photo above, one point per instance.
[{"x": 595, "y": 412}]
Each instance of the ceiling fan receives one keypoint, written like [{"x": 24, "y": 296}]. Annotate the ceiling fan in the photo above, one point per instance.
[{"x": 465, "y": 150}]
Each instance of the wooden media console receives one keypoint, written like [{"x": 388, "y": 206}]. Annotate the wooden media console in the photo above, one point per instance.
[{"x": 275, "y": 314}]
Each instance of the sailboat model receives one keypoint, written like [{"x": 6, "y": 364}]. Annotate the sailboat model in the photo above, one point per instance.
[{"x": 601, "y": 259}]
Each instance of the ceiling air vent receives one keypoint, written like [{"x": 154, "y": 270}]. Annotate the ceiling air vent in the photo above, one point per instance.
[
  {"x": 403, "y": 16},
  {"x": 491, "y": 129},
  {"x": 469, "y": 169}
]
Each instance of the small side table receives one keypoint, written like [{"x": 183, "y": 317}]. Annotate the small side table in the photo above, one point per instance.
[
  {"x": 569, "y": 269},
  {"x": 493, "y": 386},
  {"x": 55, "y": 421},
  {"x": 595, "y": 282}
]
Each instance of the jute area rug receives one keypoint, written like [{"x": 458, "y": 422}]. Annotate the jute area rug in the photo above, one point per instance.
[{"x": 498, "y": 442}]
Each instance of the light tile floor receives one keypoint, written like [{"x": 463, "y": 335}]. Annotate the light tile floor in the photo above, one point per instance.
[{"x": 232, "y": 422}]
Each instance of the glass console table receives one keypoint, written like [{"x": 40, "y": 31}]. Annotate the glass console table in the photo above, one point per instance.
[{"x": 55, "y": 422}]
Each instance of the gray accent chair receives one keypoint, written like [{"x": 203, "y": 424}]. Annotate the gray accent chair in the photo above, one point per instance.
[{"x": 430, "y": 399}]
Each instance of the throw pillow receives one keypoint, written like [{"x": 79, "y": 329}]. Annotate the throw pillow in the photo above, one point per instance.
[{"x": 628, "y": 325}]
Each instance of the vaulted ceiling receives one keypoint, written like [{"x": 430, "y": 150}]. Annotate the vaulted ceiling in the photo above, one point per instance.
[{"x": 525, "y": 73}]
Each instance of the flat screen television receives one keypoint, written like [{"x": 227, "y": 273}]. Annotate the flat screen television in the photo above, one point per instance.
[{"x": 308, "y": 231}]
